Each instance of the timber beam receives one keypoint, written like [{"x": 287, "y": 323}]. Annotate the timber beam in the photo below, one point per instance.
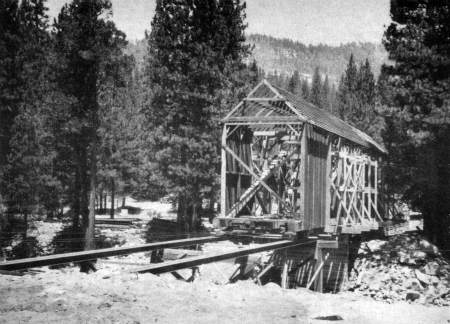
[
  {"x": 101, "y": 253},
  {"x": 170, "y": 266}
]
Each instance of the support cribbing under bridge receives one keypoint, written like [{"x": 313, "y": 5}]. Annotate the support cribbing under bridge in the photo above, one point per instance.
[
  {"x": 62, "y": 258},
  {"x": 170, "y": 266}
]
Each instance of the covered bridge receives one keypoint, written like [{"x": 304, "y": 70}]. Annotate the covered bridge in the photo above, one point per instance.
[{"x": 290, "y": 166}]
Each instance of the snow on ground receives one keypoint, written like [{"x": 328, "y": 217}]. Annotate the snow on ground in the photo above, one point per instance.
[
  {"x": 123, "y": 236},
  {"x": 150, "y": 209},
  {"x": 68, "y": 296},
  {"x": 44, "y": 233},
  {"x": 114, "y": 295}
]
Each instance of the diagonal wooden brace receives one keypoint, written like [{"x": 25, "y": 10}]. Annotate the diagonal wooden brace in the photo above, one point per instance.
[{"x": 265, "y": 185}]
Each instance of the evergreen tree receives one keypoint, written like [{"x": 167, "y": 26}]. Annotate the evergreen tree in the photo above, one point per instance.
[
  {"x": 10, "y": 83},
  {"x": 365, "y": 116},
  {"x": 347, "y": 90},
  {"x": 356, "y": 99},
  {"x": 332, "y": 99},
  {"x": 294, "y": 83},
  {"x": 416, "y": 88},
  {"x": 325, "y": 94},
  {"x": 86, "y": 42},
  {"x": 196, "y": 49},
  {"x": 305, "y": 89},
  {"x": 28, "y": 159},
  {"x": 121, "y": 122},
  {"x": 316, "y": 89}
]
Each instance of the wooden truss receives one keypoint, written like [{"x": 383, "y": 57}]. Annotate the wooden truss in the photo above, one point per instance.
[
  {"x": 275, "y": 170},
  {"x": 354, "y": 191},
  {"x": 274, "y": 157}
]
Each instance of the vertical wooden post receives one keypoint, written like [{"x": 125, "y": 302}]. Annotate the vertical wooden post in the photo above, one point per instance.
[
  {"x": 113, "y": 191},
  {"x": 344, "y": 191},
  {"x": 369, "y": 191},
  {"x": 375, "y": 185},
  {"x": 318, "y": 285},
  {"x": 223, "y": 174},
  {"x": 328, "y": 186},
  {"x": 302, "y": 175},
  {"x": 284, "y": 274}
]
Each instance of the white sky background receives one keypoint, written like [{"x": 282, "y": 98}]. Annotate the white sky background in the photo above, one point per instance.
[{"x": 309, "y": 21}]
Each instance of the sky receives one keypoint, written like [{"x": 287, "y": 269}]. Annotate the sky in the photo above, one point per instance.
[{"x": 329, "y": 22}]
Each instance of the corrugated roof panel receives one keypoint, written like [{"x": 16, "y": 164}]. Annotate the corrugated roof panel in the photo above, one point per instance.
[
  {"x": 312, "y": 114},
  {"x": 328, "y": 121}
]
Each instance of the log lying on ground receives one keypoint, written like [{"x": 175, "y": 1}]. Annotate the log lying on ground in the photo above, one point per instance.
[
  {"x": 159, "y": 268},
  {"x": 101, "y": 253}
]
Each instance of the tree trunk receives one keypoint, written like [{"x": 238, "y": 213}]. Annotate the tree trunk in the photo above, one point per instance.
[
  {"x": 89, "y": 220},
  {"x": 105, "y": 197},
  {"x": 111, "y": 214},
  {"x": 76, "y": 201},
  {"x": 100, "y": 201},
  {"x": 85, "y": 188},
  {"x": 89, "y": 242},
  {"x": 194, "y": 218},
  {"x": 180, "y": 211},
  {"x": 25, "y": 218}
]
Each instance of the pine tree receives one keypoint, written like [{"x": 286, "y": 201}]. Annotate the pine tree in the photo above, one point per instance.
[
  {"x": 294, "y": 83},
  {"x": 416, "y": 88},
  {"x": 347, "y": 91},
  {"x": 316, "y": 89},
  {"x": 332, "y": 99},
  {"x": 120, "y": 129},
  {"x": 86, "y": 42},
  {"x": 325, "y": 94},
  {"x": 28, "y": 174},
  {"x": 196, "y": 49},
  {"x": 305, "y": 89},
  {"x": 10, "y": 43}
]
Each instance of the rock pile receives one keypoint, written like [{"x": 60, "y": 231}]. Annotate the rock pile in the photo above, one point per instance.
[{"x": 405, "y": 267}]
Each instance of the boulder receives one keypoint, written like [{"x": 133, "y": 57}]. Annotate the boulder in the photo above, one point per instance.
[
  {"x": 424, "y": 278},
  {"x": 419, "y": 255},
  {"x": 375, "y": 245},
  {"x": 429, "y": 248},
  {"x": 374, "y": 286},
  {"x": 412, "y": 295},
  {"x": 431, "y": 268},
  {"x": 412, "y": 284}
]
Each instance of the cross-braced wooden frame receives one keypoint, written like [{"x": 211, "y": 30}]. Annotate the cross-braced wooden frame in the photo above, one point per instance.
[{"x": 280, "y": 159}]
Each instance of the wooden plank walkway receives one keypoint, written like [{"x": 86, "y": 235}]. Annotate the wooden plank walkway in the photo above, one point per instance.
[
  {"x": 170, "y": 266},
  {"x": 101, "y": 253}
]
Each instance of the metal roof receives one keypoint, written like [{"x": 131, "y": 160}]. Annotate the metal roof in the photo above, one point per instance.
[
  {"x": 329, "y": 122},
  {"x": 307, "y": 112}
]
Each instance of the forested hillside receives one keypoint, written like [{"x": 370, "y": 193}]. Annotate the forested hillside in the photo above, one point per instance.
[{"x": 286, "y": 56}]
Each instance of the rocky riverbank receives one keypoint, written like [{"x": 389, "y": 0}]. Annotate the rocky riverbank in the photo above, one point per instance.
[{"x": 405, "y": 267}]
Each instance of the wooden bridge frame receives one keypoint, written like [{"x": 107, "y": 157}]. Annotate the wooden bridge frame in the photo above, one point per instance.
[{"x": 282, "y": 159}]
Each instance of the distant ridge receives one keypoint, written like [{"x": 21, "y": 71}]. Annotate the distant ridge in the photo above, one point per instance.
[{"x": 286, "y": 56}]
